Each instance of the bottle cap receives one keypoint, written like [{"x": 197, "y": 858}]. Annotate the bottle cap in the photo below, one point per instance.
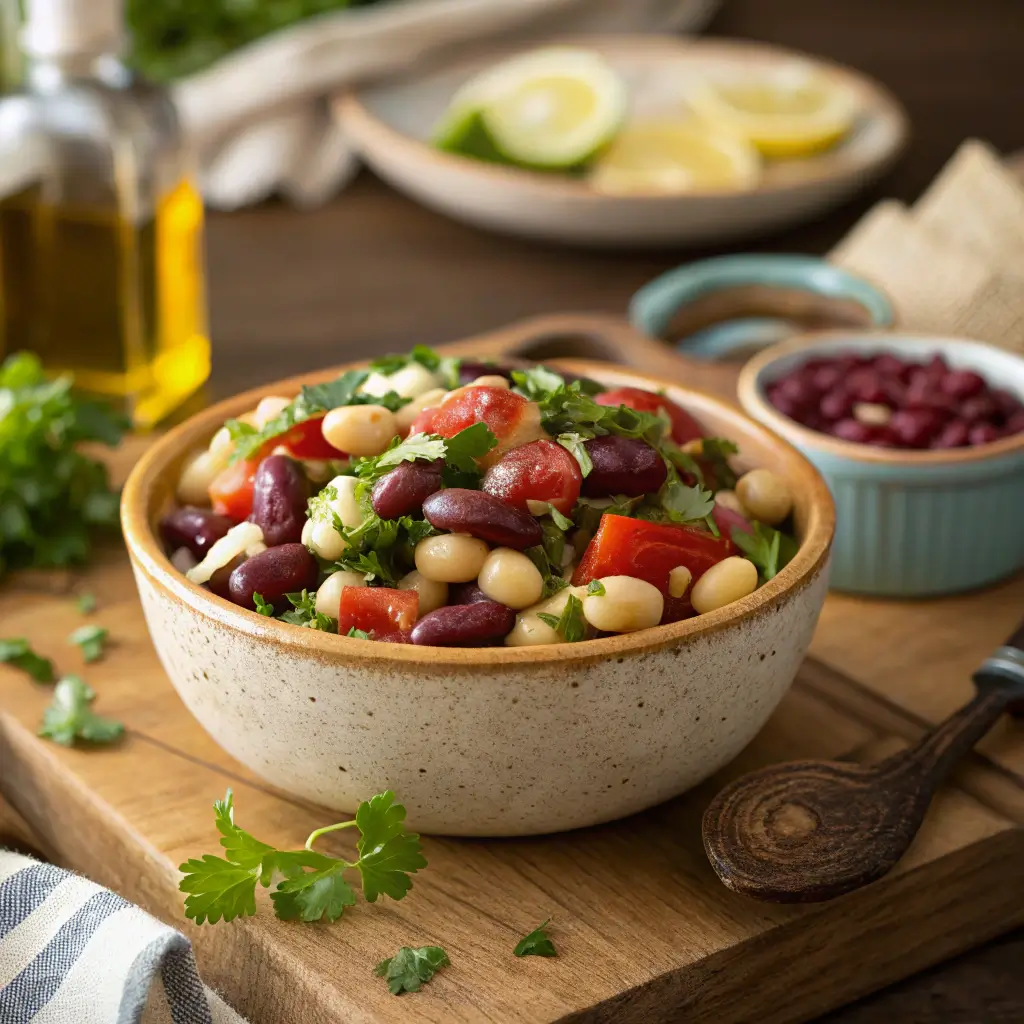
[{"x": 66, "y": 28}]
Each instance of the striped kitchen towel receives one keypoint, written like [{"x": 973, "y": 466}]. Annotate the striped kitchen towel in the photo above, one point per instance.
[{"x": 72, "y": 952}]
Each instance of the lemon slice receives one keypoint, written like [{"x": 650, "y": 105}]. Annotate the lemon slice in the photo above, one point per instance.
[
  {"x": 792, "y": 113},
  {"x": 664, "y": 157},
  {"x": 551, "y": 109}
]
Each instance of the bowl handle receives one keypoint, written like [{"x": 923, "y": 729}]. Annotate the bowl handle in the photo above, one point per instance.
[{"x": 600, "y": 337}]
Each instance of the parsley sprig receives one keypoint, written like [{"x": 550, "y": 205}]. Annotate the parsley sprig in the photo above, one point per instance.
[
  {"x": 459, "y": 453},
  {"x": 769, "y": 549},
  {"x": 303, "y": 613},
  {"x": 90, "y": 640},
  {"x": 410, "y": 968},
  {"x": 446, "y": 367},
  {"x": 537, "y": 943},
  {"x": 70, "y": 716},
  {"x": 18, "y": 653},
  {"x": 570, "y": 625},
  {"x": 314, "y": 887}
]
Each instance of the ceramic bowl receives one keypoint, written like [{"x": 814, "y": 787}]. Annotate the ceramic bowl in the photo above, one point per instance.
[
  {"x": 485, "y": 741},
  {"x": 390, "y": 124},
  {"x": 910, "y": 523}
]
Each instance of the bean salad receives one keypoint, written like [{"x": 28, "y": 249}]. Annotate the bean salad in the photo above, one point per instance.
[{"x": 447, "y": 502}]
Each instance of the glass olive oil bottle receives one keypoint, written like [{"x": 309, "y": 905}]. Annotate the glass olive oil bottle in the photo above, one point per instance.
[{"x": 101, "y": 269}]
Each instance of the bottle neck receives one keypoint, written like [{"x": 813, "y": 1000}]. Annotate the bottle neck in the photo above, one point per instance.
[
  {"x": 66, "y": 39},
  {"x": 47, "y": 74}
]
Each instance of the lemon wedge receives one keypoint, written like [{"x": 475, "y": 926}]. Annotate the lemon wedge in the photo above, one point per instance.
[
  {"x": 551, "y": 109},
  {"x": 792, "y": 113},
  {"x": 664, "y": 157}
]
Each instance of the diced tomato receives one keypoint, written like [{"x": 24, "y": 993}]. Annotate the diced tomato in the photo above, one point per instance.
[
  {"x": 539, "y": 471},
  {"x": 306, "y": 441},
  {"x": 650, "y": 551},
  {"x": 377, "y": 610},
  {"x": 231, "y": 490},
  {"x": 684, "y": 426}
]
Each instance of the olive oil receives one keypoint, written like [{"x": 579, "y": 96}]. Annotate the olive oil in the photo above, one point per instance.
[{"x": 101, "y": 268}]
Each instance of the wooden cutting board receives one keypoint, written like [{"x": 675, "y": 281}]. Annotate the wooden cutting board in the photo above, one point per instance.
[{"x": 645, "y": 931}]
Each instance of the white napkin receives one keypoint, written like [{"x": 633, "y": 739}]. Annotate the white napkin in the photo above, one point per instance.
[
  {"x": 72, "y": 952},
  {"x": 259, "y": 118}
]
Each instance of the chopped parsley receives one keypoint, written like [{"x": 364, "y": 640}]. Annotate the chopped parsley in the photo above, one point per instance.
[
  {"x": 459, "y": 453},
  {"x": 358, "y": 634},
  {"x": 574, "y": 444},
  {"x": 69, "y": 716},
  {"x": 769, "y": 549},
  {"x": 595, "y": 588},
  {"x": 90, "y": 639},
  {"x": 303, "y": 613},
  {"x": 17, "y": 653},
  {"x": 410, "y": 968},
  {"x": 86, "y": 603},
  {"x": 262, "y": 607},
  {"x": 537, "y": 943},
  {"x": 382, "y": 548},
  {"x": 314, "y": 887},
  {"x": 446, "y": 367},
  {"x": 570, "y": 625}
]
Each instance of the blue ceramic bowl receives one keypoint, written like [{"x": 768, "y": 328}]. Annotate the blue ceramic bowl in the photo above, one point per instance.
[
  {"x": 737, "y": 303},
  {"x": 909, "y": 523}
]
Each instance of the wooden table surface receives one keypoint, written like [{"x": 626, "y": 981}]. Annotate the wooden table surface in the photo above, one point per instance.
[{"x": 373, "y": 272}]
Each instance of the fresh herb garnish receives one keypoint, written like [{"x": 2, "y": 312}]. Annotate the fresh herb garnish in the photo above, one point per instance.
[
  {"x": 537, "y": 943},
  {"x": 545, "y": 508},
  {"x": 358, "y": 634},
  {"x": 53, "y": 497},
  {"x": 69, "y": 716},
  {"x": 682, "y": 504},
  {"x": 90, "y": 640},
  {"x": 262, "y": 607},
  {"x": 86, "y": 603},
  {"x": 382, "y": 548},
  {"x": 573, "y": 443},
  {"x": 314, "y": 887},
  {"x": 446, "y": 367},
  {"x": 595, "y": 588},
  {"x": 303, "y": 613},
  {"x": 769, "y": 549},
  {"x": 537, "y": 382},
  {"x": 459, "y": 452},
  {"x": 570, "y": 625},
  {"x": 312, "y": 401},
  {"x": 410, "y": 968},
  {"x": 17, "y": 653}
]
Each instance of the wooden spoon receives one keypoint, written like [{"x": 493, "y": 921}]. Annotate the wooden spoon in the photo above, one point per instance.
[{"x": 809, "y": 831}]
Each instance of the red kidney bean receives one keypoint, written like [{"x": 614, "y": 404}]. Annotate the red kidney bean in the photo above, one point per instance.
[
  {"x": 915, "y": 428},
  {"x": 980, "y": 407},
  {"x": 836, "y": 405},
  {"x": 983, "y": 433},
  {"x": 827, "y": 377},
  {"x": 622, "y": 465},
  {"x": 799, "y": 389},
  {"x": 401, "y": 492},
  {"x": 397, "y": 636},
  {"x": 1015, "y": 424},
  {"x": 853, "y": 430},
  {"x": 962, "y": 384},
  {"x": 272, "y": 574},
  {"x": 464, "y": 625},
  {"x": 465, "y": 593},
  {"x": 889, "y": 365},
  {"x": 953, "y": 435},
  {"x": 279, "y": 498},
  {"x": 1006, "y": 402},
  {"x": 482, "y": 515},
  {"x": 785, "y": 404},
  {"x": 470, "y": 369},
  {"x": 866, "y": 386},
  {"x": 219, "y": 582},
  {"x": 193, "y": 528}
]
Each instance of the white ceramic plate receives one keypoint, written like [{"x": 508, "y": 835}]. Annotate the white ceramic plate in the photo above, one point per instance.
[{"x": 390, "y": 123}]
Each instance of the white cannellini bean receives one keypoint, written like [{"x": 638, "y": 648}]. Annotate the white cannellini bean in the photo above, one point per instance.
[
  {"x": 729, "y": 500},
  {"x": 221, "y": 445},
  {"x": 765, "y": 496},
  {"x": 325, "y": 541},
  {"x": 723, "y": 583},
  {"x": 490, "y": 380},
  {"x": 307, "y": 532},
  {"x": 433, "y": 594},
  {"x": 510, "y": 578},
  {"x": 345, "y": 503},
  {"x": 678, "y": 581},
  {"x": 328, "y": 597},
  {"x": 183, "y": 560},
  {"x": 450, "y": 557},
  {"x": 197, "y": 475},
  {"x": 413, "y": 380},
  {"x": 360, "y": 429},
  {"x": 626, "y": 605},
  {"x": 405, "y": 416},
  {"x": 239, "y": 540},
  {"x": 267, "y": 409},
  {"x": 532, "y": 631}
]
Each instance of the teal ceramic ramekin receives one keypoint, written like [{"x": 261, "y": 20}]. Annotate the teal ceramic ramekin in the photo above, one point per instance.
[
  {"x": 908, "y": 523},
  {"x": 731, "y": 304}
]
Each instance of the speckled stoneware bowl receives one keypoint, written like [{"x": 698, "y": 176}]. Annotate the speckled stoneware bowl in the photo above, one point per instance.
[
  {"x": 910, "y": 523},
  {"x": 484, "y": 741}
]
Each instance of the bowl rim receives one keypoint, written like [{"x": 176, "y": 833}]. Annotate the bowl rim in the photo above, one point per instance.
[
  {"x": 350, "y": 109},
  {"x": 753, "y": 400},
  {"x": 148, "y": 557}
]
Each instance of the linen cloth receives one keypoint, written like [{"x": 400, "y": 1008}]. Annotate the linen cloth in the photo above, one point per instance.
[
  {"x": 72, "y": 952},
  {"x": 260, "y": 121}
]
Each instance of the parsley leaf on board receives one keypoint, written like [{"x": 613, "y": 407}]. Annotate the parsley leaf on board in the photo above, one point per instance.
[
  {"x": 53, "y": 497},
  {"x": 86, "y": 603},
  {"x": 262, "y": 607},
  {"x": 537, "y": 943},
  {"x": 17, "y": 653},
  {"x": 410, "y": 968},
  {"x": 303, "y": 613},
  {"x": 90, "y": 639},
  {"x": 570, "y": 625},
  {"x": 769, "y": 549},
  {"x": 314, "y": 887},
  {"x": 69, "y": 716}
]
